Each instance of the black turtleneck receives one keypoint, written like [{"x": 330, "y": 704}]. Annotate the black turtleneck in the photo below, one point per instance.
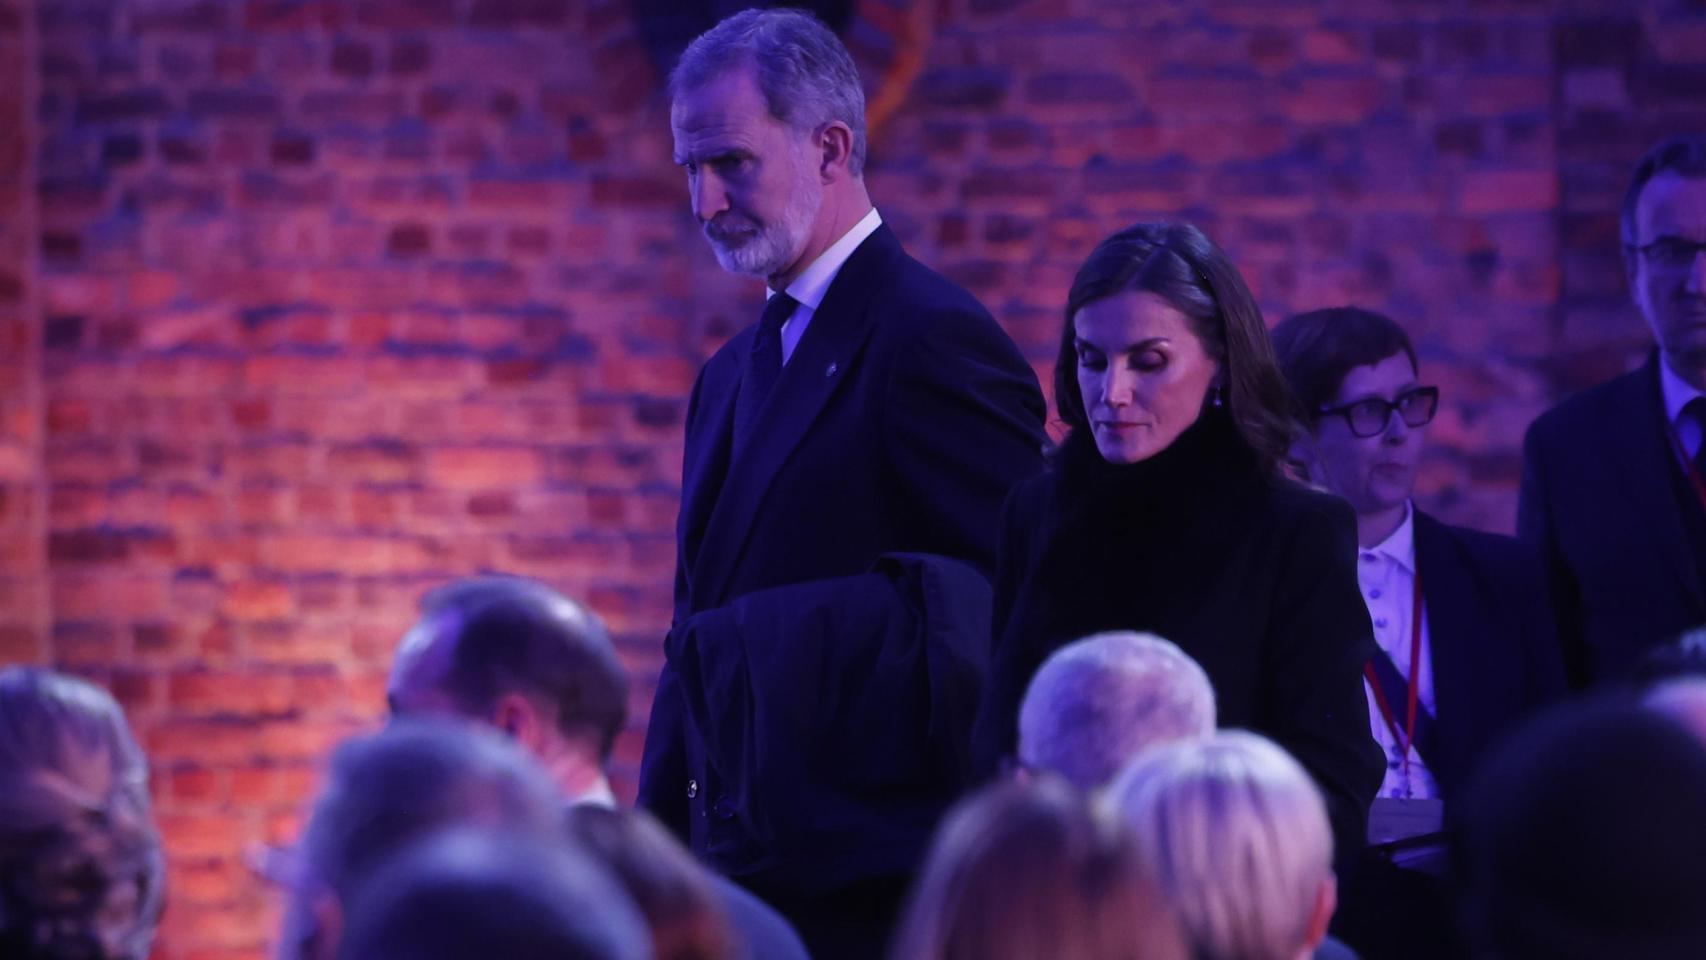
[{"x": 1253, "y": 576}]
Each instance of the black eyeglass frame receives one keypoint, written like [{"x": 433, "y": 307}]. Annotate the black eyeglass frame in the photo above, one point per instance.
[{"x": 1387, "y": 408}]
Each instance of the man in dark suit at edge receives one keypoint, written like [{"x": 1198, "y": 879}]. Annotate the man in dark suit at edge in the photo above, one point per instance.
[
  {"x": 875, "y": 408},
  {"x": 1461, "y": 617},
  {"x": 1612, "y": 489}
]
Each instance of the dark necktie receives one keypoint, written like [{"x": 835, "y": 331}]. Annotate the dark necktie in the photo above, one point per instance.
[
  {"x": 765, "y": 365},
  {"x": 1696, "y": 408}
]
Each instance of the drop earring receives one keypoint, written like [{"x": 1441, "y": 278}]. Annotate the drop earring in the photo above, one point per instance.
[{"x": 1217, "y": 396}]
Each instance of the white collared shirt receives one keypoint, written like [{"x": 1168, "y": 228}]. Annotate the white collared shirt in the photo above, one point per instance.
[
  {"x": 1387, "y": 574},
  {"x": 597, "y": 795},
  {"x": 813, "y": 282},
  {"x": 1677, "y": 395}
]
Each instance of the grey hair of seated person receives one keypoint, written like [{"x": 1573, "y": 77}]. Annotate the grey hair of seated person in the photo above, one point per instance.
[
  {"x": 1236, "y": 834},
  {"x": 83, "y": 874},
  {"x": 478, "y": 894},
  {"x": 1098, "y": 702},
  {"x": 388, "y": 789}
]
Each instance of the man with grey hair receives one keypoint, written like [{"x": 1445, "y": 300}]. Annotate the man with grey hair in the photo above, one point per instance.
[
  {"x": 875, "y": 408},
  {"x": 1096, "y": 703},
  {"x": 393, "y": 788}
]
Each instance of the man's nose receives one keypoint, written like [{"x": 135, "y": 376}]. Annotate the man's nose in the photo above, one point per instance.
[
  {"x": 1697, "y": 273},
  {"x": 709, "y": 196}
]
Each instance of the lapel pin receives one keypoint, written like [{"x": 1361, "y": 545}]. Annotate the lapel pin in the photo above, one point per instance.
[{"x": 829, "y": 371}]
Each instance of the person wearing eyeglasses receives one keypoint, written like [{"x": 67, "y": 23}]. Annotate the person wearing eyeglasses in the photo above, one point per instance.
[
  {"x": 1467, "y": 643},
  {"x": 1614, "y": 478}
]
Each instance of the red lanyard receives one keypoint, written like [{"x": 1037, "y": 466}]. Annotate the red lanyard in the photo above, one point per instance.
[
  {"x": 1406, "y": 736},
  {"x": 1693, "y": 471}
]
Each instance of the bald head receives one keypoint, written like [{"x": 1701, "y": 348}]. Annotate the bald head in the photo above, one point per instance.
[{"x": 1098, "y": 702}]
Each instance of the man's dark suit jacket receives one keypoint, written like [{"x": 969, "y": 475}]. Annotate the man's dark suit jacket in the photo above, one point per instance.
[
  {"x": 900, "y": 422},
  {"x": 1492, "y": 639},
  {"x": 1606, "y": 501}
]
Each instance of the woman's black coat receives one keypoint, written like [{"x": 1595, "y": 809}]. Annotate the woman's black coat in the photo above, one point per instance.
[{"x": 1253, "y": 577}]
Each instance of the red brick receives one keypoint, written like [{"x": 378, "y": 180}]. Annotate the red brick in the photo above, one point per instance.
[
  {"x": 1337, "y": 99},
  {"x": 1509, "y": 191},
  {"x": 479, "y": 468},
  {"x": 200, "y": 835},
  {"x": 294, "y": 15}
]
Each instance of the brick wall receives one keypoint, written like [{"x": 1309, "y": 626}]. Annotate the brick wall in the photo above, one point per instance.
[
  {"x": 332, "y": 300},
  {"x": 23, "y": 561}
]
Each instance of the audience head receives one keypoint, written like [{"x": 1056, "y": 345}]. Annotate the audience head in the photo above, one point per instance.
[
  {"x": 1354, "y": 375},
  {"x": 1159, "y": 326},
  {"x": 1236, "y": 835},
  {"x": 1024, "y": 870},
  {"x": 769, "y": 122},
  {"x": 477, "y": 894},
  {"x": 1095, "y": 704},
  {"x": 1683, "y": 658},
  {"x": 521, "y": 657},
  {"x": 1581, "y": 838},
  {"x": 1684, "y": 701},
  {"x": 391, "y": 788},
  {"x": 1664, "y": 239},
  {"x": 672, "y": 892},
  {"x": 81, "y": 871}
]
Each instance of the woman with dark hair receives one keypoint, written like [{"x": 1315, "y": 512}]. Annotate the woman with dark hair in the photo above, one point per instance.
[{"x": 1165, "y": 509}]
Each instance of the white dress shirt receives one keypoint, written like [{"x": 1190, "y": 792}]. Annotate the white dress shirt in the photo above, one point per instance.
[
  {"x": 597, "y": 795},
  {"x": 1387, "y": 574},
  {"x": 1677, "y": 395},
  {"x": 813, "y": 282}
]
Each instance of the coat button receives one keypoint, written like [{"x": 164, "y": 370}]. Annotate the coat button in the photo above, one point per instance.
[{"x": 692, "y": 789}]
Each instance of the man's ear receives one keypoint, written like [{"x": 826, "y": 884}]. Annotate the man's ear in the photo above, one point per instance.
[
  {"x": 325, "y": 927},
  {"x": 1631, "y": 275},
  {"x": 835, "y": 151},
  {"x": 519, "y": 720}
]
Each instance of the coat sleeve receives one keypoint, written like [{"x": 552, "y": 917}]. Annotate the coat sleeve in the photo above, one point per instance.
[
  {"x": 1543, "y": 665},
  {"x": 962, "y": 424},
  {"x": 1537, "y": 526},
  {"x": 833, "y": 711},
  {"x": 1319, "y": 637},
  {"x": 663, "y": 761},
  {"x": 1012, "y": 660}
]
